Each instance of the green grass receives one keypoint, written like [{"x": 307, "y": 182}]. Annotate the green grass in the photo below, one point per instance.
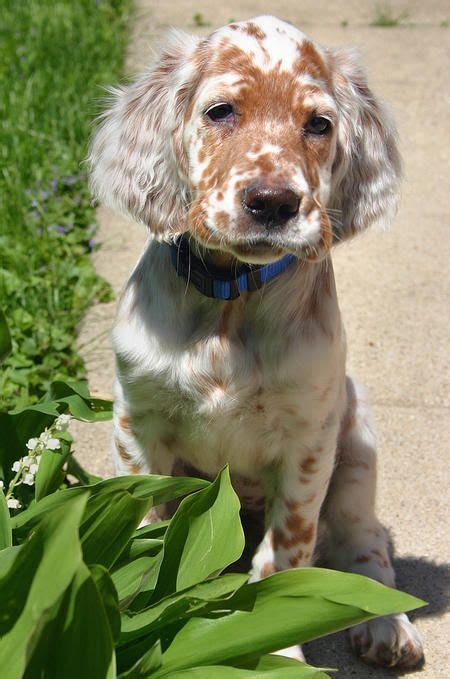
[
  {"x": 385, "y": 17},
  {"x": 54, "y": 56}
]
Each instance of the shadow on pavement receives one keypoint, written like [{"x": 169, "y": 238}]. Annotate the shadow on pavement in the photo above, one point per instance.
[{"x": 424, "y": 579}]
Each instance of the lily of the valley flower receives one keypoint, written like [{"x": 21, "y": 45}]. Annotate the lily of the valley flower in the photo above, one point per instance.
[{"x": 27, "y": 467}]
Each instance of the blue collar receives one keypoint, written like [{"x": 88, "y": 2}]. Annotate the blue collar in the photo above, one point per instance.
[{"x": 216, "y": 283}]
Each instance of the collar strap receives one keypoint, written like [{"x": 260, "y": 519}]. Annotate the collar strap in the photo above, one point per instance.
[{"x": 215, "y": 283}]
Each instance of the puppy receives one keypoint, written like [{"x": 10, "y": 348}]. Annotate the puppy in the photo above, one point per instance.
[{"x": 247, "y": 155}]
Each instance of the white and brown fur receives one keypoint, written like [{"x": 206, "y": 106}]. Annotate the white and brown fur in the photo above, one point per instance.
[{"x": 260, "y": 382}]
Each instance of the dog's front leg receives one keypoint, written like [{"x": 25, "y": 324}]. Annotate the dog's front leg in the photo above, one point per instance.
[
  {"x": 296, "y": 491},
  {"x": 303, "y": 479}
]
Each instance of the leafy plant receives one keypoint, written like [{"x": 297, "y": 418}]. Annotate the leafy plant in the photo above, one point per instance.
[
  {"x": 199, "y": 20},
  {"x": 87, "y": 592},
  {"x": 385, "y": 17},
  {"x": 54, "y": 55}
]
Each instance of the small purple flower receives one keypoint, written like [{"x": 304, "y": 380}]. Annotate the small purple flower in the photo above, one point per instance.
[
  {"x": 43, "y": 195},
  {"x": 35, "y": 214},
  {"x": 34, "y": 203},
  {"x": 91, "y": 243},
  {"x": 54, "y": 184},
  {"x": 60, "y": 229},
  {"x": 92, "y": 228},
  {"x": 70, "y": 181}
]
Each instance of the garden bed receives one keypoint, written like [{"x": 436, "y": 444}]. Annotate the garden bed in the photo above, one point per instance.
[{"x": 54, "y": 58}]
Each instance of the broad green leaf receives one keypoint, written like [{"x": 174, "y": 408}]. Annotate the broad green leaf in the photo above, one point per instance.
[
  {"x": 132, "y": 578},
  {"x": 146, "y": 665},
  {"x": 5, "y": 523},
  {"x": 81, "y": 404},
  {"x": 108, "y": 524},
  {"x": 5, "y": 338},
  {"x": 171, "y": 608},
  {"x": 142, "y": 547},
  {"x": 74, "y": 468},
  {"x": 204, "y": 536},
  {"x": 152, "y": 530},
  {"x": 50, "y": 476},
  {"x": 38, "y": 576},
  {"x": 108, "y": 595},
  {"x": 306, "y": 603},
  {"x": 290, "y": 669},
  {"x": 157, "y": 488},
  {"x": 80, "y": 643},
  {"x": 141, "y": 630}
]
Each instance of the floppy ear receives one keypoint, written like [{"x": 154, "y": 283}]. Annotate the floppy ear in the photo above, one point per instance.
[
  {"x": 367, "y": 168},
  {"x": 136, "y": 157}
]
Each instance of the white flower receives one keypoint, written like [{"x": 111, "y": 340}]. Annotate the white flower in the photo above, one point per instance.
[
  {"x": 27, "y": 460},
  {"x": 28, "y": 479},
  {"x": 32, "y": 443},
  {"x": 62, "y": 422},
  {"x": 34, "y": 466},
  {"x": 13, "y": 503},
  {"x": 44, "y": 437},
  {"x": 2, "y": 485},
  {"x": 17, "y": 465},
  {"x": 52, "y": 444}
]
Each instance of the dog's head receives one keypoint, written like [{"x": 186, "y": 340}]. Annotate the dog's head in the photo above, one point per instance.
[{"x": 255, "y": 141}]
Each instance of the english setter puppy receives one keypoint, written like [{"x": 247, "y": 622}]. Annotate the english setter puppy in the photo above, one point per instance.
[{"x": 248, "y": 154}]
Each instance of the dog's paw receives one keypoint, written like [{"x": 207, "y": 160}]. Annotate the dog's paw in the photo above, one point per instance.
[
  {"x": 292, "y": 652},
  {"x": 390, "y": 641}
]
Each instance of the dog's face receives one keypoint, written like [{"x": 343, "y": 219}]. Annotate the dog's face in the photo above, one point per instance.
[
  {"x": 255, "y": 141},
  {"x": 260, "y": 136}
]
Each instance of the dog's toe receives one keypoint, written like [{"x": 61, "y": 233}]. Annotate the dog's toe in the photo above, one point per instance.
[{"x": 390, "y": 641}]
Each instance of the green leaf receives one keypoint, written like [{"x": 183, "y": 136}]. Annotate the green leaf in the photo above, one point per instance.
[
  {"x": 5, "y": 338},
  {"x": 204, "y": 536},
  {"x": 281, "y": 668},
  {"x": 108, "y": 524},
  {"x": 141, "y": 629},
  {"x": 50, "y": 476},
  {"x": 79, "y": 642},
  {"x": 171, "y": 608},
  {"x": 81, "y": 405},
  {"x": 306, "y": 603},
  {"x": 39, "y": 574},
  {"x": 132, "y": 578},
  {"x": 158, "y": 489},
  {"x": 108, "y": 594},
  {"x": 152, "y": 530},
  {"x": 146, "y": 665},
  {"x": 5, "y": 523},
  {"x": 74, "y": 468}
]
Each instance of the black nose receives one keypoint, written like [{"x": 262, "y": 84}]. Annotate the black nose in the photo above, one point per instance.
[{"x": 270, "y": 205}]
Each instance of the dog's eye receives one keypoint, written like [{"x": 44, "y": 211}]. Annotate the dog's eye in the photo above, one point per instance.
[
  {"x": 219, "y": 113},
  {"x": 318, "y": 125}
]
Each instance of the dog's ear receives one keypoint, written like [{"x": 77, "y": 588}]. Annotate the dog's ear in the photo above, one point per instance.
[
  {"x": 136, "y": 158},
  {"x": 367, "y": 168}
]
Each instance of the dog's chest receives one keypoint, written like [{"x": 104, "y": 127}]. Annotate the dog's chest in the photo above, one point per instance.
[{"x": 243, "y": 400}]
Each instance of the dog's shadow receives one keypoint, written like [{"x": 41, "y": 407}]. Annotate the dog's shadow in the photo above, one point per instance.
[{"x": 422, "y": 578}]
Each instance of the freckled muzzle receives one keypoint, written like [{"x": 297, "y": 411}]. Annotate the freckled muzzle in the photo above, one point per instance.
[{"x": 270, "y": 206}]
